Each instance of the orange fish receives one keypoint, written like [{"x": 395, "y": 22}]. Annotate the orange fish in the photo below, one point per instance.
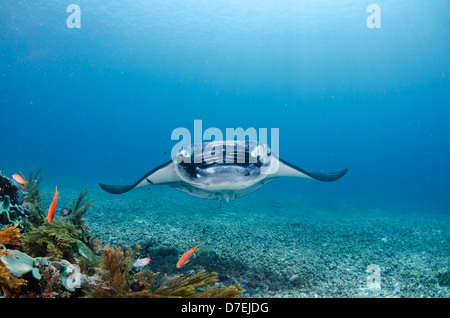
[
  {"x": 186, "y": 256},
  {"x": 52, "y": 210},
  {"x": 19, "y": 179}
]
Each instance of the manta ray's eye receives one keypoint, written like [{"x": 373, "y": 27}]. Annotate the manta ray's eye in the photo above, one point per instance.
[
  {"x": 260, "y": 150},
  {"x": 185, "y": 152}
]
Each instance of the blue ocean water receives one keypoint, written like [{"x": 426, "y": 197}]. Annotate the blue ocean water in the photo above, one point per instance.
[{"x": 99, "y": 103}]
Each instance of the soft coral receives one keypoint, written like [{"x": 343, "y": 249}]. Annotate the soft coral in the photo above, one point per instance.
[{"x": 9, "y": 235}]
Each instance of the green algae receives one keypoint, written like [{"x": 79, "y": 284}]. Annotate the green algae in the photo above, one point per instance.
[{"x": 55, "y": 239}]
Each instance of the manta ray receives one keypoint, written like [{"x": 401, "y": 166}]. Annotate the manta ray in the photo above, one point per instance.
[{"x": 222, "y": 170}]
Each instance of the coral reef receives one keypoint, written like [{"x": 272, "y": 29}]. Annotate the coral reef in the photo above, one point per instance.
[
  {"x": 9, "y": 235},
  {"x": 19, "y": 209},
  {"x": 79, "y": 208},
  {"x": 11, "y": 210},
  {"x": 88, "y": 260},
  {"x": 62, "y": 238},
  {"x": 33, "y": 194},
  {"x": 50, "y": 246},
  {"x": 7, "y": 188},
  {"x": 95, "y": 245},
  {"x": 17, "y": 268},
  {"x": 118, "y": 282},
  {"x": 115, "y": 265},
  {"x": 56, "y": 239},
  {"x": 9, "y": 283},
  {"x": 50, "y": 285},
  {"x": 12, "y": 213},
  {"x": 21, "y": 265},
  {"x": 60, "y": 258},
  {"x": 32, "y": 199},
  {"x": 192, "y": 285}
]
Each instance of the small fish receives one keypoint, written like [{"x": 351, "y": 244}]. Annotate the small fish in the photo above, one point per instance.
[
  {"x": 142, "y": 261},
  {"x": 186, "y": 256},
  {"x": 19, "y": 179},
  {"x": 65, "y": 212},
  {"x": 52, "y": 209}
]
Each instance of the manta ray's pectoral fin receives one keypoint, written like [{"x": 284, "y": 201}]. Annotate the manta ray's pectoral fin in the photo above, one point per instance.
[
  {"x": 285, "y": 169},
  {"x": 163, "y": 175},
  {"x": 115, "y": 189}
]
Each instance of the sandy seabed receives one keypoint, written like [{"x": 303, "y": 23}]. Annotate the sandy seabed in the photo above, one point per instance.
[{"x": 276, "y": 247}]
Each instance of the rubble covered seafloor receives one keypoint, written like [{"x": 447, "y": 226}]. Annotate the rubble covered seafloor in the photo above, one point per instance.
[{"x": 286, "y": 244}]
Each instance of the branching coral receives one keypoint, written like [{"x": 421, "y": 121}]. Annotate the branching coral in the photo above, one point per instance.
[
  {"x": 33, "y": 195},
  {"x": 50, "y": 284},
  {"x": 55, "y": 239},
  {"x": 115, "y": 265},
  {"x": 79, "y": 208},
  {"x": 118, "y": 281},
  {"x": 31, "y": 200}
]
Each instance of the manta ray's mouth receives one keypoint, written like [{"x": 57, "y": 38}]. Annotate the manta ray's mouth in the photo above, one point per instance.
[
  {"x": 218, "y": 153},
  {"x": 221, "y": 163}
]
